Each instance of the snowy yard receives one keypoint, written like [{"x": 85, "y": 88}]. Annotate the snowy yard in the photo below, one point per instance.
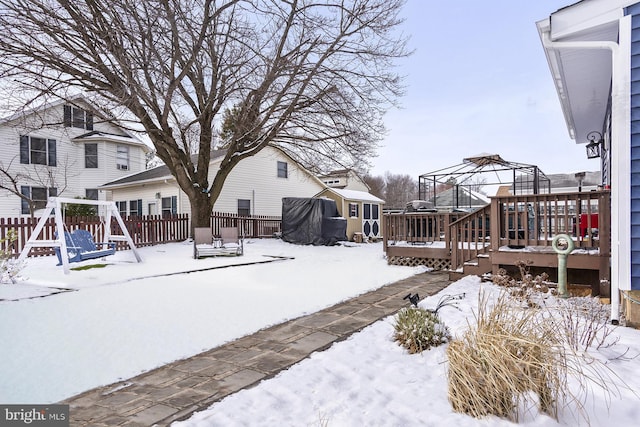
[
  {"x": 112, "y": 323},
  {"x": 118, "y": 321}
]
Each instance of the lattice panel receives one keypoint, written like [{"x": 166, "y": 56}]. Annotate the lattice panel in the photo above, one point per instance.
[{"x": 436, "y": 264}]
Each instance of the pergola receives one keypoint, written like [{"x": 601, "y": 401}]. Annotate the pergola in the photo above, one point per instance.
[{"x": 477, "y": 171}]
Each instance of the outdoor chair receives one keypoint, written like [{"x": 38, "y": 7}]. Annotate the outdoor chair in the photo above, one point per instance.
[{"x": 205, "y": 244}]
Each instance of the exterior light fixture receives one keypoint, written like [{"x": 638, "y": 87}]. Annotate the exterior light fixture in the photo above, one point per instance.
[{"x": 595, "y": 142}]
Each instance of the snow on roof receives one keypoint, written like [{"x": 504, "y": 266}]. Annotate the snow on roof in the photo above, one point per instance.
[{"x": 356, "y": 195}]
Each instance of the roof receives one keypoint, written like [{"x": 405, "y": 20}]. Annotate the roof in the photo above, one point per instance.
[
  {"x": 353, "y": 195},
  {"x": 577, "y": 41},
  {"x": 102, "y": 136},
  {"x": 466, "y": 198},
  {"x": 158, "y": 173}
]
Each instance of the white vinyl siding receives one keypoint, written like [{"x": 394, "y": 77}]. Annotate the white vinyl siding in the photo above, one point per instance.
[{"x": 254, "y": 179}]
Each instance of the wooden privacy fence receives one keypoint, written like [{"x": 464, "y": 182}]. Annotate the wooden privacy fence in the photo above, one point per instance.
[
  {"x": 254, "y": 226},
  {"x": 146, "y": 230}
]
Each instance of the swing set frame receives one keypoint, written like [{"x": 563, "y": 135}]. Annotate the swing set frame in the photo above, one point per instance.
[{"x": 54, "y": 204}]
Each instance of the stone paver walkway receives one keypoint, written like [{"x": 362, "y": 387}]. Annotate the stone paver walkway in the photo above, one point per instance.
[{"x": 177, "y": 390}]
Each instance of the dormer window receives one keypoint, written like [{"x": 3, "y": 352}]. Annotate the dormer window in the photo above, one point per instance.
[{"x": 77, "y": 118}]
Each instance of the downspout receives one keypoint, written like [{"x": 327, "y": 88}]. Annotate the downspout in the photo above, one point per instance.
[{"x": 616, "y": 93}]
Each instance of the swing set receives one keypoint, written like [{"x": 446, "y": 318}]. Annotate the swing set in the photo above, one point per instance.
[{"x": 79, "y": 245}]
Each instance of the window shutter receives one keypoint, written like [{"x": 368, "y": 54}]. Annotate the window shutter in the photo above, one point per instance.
[
  {"x": 89, "y": 122},
  {"x": 51, "y": 148},
  {"x": 25, "y": 191},
  {"x": 174, "y": 205},
  {"x": 67, "y": 116},
  {"x": 24, "y": 149}
]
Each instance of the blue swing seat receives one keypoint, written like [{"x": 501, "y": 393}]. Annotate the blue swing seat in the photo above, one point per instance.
[{"x": 81, "y": 247}]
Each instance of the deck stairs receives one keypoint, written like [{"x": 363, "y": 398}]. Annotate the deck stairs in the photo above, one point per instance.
[{"x": 477, "y": 266}]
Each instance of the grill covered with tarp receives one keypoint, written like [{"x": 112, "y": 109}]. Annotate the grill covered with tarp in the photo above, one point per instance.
[{"x": 312, "y": 221}]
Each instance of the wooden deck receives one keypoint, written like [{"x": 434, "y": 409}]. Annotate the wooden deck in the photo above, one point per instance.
[{"x": 508, "y": 230}]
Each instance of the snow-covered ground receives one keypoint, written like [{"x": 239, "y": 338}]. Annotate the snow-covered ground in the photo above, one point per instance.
[
  {"x": 115, "y": 322},
  {"x": 102, "y": 325},
  {"x": 369, "y": 380}
]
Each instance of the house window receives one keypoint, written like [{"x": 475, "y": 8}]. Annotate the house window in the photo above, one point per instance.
[
  {"x": 169, "y": 205},
  {"x": 282, "y": 170},
  {"x": 39, "y": 196},
  {"x": 91, "y": 193},
  {"x": 353, "y": 210},
  {"x": 122, "y": 208},
  {"x": 244, "y": 207},
  {"x": 135, "y": 207},
  {"x": 90, "y": 156},
  {"x": 122, "y": 158},
  {"x": 77, "y": 118},
  {"x": 37, "y": 151}
]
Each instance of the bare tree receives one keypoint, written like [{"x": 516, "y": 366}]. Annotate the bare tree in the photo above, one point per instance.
[
  {"x": 313, "y": 77},
  {"x": 476, "y": 183},
  {"x": 395, "y": 189},
  {"x": 376, "y": 185},
  {"x": 399, "y": 190}
]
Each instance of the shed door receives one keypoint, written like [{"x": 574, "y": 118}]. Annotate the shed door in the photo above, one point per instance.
[{"x": 371, "y": 220}]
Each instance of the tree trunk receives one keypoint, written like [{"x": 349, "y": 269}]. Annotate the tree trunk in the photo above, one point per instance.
[{"x": 201, "y": 208}]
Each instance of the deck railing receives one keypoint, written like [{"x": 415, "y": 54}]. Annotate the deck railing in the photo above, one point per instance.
[
  {"x": 418, "y": 227},
  {"x": 534, "y": 220},
  {"x": 512, "y": 221},
  {"x": 470, "y": 236}
]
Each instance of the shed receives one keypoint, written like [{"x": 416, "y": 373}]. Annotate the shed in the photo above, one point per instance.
[{"x": 361, "y": 209}]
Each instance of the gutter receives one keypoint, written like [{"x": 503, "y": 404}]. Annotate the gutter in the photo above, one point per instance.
[{"x": 617, "y": 91}]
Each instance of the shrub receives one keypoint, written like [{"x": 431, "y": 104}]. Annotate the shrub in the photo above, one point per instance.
[
  {"x": 9, "y": 266},
  {"x": 417, "y": 329}
]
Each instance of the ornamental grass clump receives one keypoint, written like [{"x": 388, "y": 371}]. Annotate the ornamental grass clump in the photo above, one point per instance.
[
  {"x": 417, "y": 329},
  {"x": 509, "y": 353}
]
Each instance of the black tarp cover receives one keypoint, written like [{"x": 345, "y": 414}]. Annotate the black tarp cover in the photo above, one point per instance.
[{"x": 310, "y": 221}]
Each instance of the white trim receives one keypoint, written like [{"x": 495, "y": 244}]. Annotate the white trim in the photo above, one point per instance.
[{"x": 621, "y": 164}]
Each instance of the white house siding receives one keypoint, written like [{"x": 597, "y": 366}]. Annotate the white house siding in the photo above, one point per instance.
[
  {"x": 254, "y": 178},
  {"x": 70, "y": 175},
  {"x": 151, "y": 195}
]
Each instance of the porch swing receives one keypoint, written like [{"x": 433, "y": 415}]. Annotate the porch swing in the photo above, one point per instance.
[{"x": 79, "y": 245}]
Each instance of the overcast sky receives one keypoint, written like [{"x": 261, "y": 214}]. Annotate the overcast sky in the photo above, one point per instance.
[{"x": 477, "y": 82}]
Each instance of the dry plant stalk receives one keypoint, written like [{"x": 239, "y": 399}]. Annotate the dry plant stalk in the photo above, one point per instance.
[
  {"x": 517, "y": 348},
  {"x": 508, "y": 353}
]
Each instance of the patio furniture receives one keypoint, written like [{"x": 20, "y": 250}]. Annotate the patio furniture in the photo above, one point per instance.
[{"x": 205, "y": 244}]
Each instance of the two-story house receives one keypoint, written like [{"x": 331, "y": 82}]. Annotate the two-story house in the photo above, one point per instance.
[{"x": 62, "y": 149}]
